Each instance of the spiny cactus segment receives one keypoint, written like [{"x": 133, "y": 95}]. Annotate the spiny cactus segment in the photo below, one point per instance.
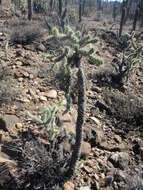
[
  {"x": 73, "y": 47},
  {"x": 77, "y": 44},
  {"x": 47, "y": 120},
  {"x": 131, "y": 58}
]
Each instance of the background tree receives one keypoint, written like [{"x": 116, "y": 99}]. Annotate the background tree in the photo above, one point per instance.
[
  {"x": 60, "y": 7},
  {"x": 80, "y": 10},
  {"x": 128, "y": 8},
  {"x": 141, "y": 13},
  {"x": 115, "y": 7},
  {"x": 136, "y": 16},
  {"x": 30, "y": 9},
  {"x": 122, "y": 17}
]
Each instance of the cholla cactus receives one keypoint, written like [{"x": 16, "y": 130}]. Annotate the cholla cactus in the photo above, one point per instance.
[
  {"x": 47, "y": 120},
  {"x": 73, "y": 46},
  {"x": 131, "y": 58}
]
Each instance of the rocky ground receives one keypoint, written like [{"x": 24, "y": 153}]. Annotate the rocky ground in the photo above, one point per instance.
[{"x": 112, "y": 150}]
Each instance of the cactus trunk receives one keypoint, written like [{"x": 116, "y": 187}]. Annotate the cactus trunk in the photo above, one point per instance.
[{"x": 80, "y": 120}]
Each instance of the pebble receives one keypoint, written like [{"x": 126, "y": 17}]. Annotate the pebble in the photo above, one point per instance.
[
  {"x": 52, "y": 94},
  {"x": 43, "y": 98},
  {"x": 69, "y": 186}
]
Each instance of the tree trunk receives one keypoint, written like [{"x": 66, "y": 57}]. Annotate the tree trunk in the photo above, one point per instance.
[
  {"x": 135, "y": 18},
  {"x": 80, "y": 121},
  {"x": 129, "y": 4},
  {"x": 122, "y": 18},
  {"x": 51, "y": 4},
  {"x": 83, "y": 7},
  {"x": 141, "y": 13},
  {"x": 115, "y": 11},
  {"x": 60, "y": 7},
  {"x": 99, "y": 5},
  {"x": 30, "y": 11},
  {"x": 80, "y": 10}
]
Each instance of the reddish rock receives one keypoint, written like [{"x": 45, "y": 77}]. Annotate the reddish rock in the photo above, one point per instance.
[
  {"x": 69, "y": 186},
  {"x": 85, "y": 149}
]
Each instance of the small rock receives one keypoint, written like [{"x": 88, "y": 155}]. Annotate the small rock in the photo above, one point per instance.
[
  {"x": 5, "y": 138},
  {"x": 119, "y": 176},
  {"x": 25, "y": 100},
  {"x": 96, "y": 177},
  {"x": 108, "y": 181},
  {"x": 96, "y": 89},
  {"x": 87, "y": 169},
  {"x": 41, "y": 47},
  {"x": 117, "y": 138},
  {"x": 31, "y": 76},
  {"x": 67, "y": 147},
  {"x": 20, "y": 79},
  {"x": 85, "y": 149},
  {"x": 43, "y": 98},
  {"x": 19, "y": 126},
  {"x": 52, "y": 94},
  {"x": 31, "y": 92},
  {"x": 95, "y": 136},
  {"x": 96, "y": 185},
  {"x": 102, "y": 175},
  {"x": 18, "y": 63},
  {"x": 96, "y": 120},
  {"x": 85, "y": 188},
  {"x": 69, "y": 186},
  {"x": 25, "y": 74},
  {"x": 3, "y": 125},
  {"x": 122, "y": 147},
  {"x": 20, "y": 53}
]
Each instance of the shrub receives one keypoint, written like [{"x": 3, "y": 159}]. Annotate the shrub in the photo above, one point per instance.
[
  {"x": 125, "y": 108},
  {"x": 25, "y": 33},
  {"x": 123, "y": 66}
]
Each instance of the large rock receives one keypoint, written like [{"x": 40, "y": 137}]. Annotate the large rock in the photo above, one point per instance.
[
  {"x": 7, "y": 167},
  {"x": 8, "y": 122},
  {"x": 85, "y": 149},
  {"x": 119, "y": 159},
  {"x": 94, "y": 135}
]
